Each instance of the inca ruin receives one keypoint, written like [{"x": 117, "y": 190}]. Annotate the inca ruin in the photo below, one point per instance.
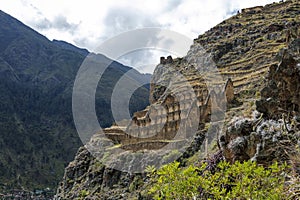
[{"x": 159, "y": 123}]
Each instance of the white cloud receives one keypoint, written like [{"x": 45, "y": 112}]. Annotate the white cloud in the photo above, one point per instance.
[{"x": 88, "y": 23}]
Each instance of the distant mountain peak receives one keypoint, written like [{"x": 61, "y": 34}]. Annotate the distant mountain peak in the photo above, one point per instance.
[{"x": 69, "y": 46}]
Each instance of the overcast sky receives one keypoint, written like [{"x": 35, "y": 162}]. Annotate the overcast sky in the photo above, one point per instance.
[{"x": 88, "y": 23}]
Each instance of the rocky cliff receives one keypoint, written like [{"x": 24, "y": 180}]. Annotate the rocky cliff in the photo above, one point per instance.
[
  {"x": 246, "y": 63},
  {"x": 273, "y": 131}
]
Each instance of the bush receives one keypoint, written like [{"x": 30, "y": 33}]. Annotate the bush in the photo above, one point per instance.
[
  {"x": 245, "y": 180},
  {"x": 175, "y": 183}
]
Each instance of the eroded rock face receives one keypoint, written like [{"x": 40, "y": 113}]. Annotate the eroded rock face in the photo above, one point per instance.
[
  {"x": 87, "y": 178},
  {"x": 261, "y": 140},
  {"x": 282, "y": 93},
  {"x": 267, "y": 137}
]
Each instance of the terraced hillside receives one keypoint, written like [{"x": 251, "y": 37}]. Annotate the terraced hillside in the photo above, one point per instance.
[
  {"x": 245, "y": 46},
  {"x": 242, "y": 47},
  {"x": 240, "y": 50}
]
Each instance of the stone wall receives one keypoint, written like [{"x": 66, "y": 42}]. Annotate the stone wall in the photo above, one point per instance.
[
  {"x": 164, "y": 61},
  {"x": 161, "y": 120},
  {"x": 253, "y": 10}
]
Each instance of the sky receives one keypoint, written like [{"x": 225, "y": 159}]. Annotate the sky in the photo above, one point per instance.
[{"x": 89, "y": 23}]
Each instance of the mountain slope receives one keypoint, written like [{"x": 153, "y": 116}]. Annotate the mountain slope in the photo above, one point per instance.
[
  {"x": 38, "y": 137},
  {"x": 244, "y": 48}
]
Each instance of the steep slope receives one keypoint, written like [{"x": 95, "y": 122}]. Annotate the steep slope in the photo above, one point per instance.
[
  {"x": 244, "y": 48},
  {"x": 38, "y": 137}
]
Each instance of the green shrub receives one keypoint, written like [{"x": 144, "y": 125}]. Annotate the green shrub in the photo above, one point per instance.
[
  {"x": 245, "y": 180},
  {"x": 175, "y": 183},
  {"x": 83, "y": 194}
]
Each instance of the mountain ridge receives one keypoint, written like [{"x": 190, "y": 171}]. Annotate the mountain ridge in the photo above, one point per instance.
[{"x": 38, "y": 136}]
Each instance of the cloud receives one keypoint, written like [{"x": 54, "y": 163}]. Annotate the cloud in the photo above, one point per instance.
[
  {"x": 172, "y": 4},
  {"x": 41, "y": 23},
  {"x": 59, "y": 22},
  {"x": 88, "y": 22},
  {"x": 143, "y": 60},
  {"x": 144, "y": 47},
  {"x": 87, "y": 25},
  {"x": 121, "y": 19}
]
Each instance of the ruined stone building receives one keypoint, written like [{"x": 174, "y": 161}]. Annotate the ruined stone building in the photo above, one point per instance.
[{"x": 159, "y": 123}]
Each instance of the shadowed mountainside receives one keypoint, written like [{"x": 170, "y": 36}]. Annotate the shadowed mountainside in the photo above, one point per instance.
[{"x": 38, "y": 137}]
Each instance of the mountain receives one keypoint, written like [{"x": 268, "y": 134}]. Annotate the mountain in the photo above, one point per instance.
[
  {"x": 243, "y": 74},
  {"x": 38, "y": 136},
  {"x": 70, "y": 47}
]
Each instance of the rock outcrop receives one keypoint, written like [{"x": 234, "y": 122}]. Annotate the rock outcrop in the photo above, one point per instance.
[
  {"x": 275, "y": 134},
  {"x": 87, "y": 178},
  {"x": 281, "y": 96}
]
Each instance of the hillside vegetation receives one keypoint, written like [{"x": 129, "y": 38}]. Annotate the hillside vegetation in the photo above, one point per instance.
[{"x": 38, "y": 136}]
